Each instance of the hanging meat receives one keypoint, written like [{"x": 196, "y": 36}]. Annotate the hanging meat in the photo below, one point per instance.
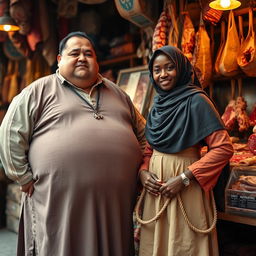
[
  {"x": 202, "y": 60},
  {"x": 246, "y": 58},
  {"x": 252, "y": 116},
  {"x": 221, "y": 47},
  {"x": 160, "y": 32},
  {"x": 228, "y": 63},
  {"x": 235, "y": 114},
  {"x": 241, "y": 115},
  {"x": 229, "y": 115},
  {"x": 252, "y": 143},
  {"x": 188, "y": 37}
]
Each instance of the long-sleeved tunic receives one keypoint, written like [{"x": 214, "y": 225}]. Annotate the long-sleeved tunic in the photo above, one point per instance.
[{"x": 85, "y": 169}]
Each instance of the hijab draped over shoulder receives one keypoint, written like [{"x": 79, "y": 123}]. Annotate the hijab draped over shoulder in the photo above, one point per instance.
[{"x": 183, "y": 116}]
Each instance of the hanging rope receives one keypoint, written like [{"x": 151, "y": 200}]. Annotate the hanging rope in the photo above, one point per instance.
[
  {"x": 201, "y": 231},
  {"x": 158, "y": 214}
]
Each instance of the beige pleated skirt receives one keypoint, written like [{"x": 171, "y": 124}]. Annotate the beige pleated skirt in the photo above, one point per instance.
[{"x": 170, "y": 235}]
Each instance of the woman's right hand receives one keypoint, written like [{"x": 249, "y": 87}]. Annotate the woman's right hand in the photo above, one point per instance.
[{"x": 150, "y": 182}]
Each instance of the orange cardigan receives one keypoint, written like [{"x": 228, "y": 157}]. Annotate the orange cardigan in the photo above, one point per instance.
[{"x": 208, "y": 168}]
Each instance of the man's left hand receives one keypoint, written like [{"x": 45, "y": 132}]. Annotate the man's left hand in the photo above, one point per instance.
[{"x": 28, "y": 188}]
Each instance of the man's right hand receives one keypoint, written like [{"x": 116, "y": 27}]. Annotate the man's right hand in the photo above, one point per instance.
[
  {"x": 150, "y": 182},
  {"x": 28, "y": 188}
]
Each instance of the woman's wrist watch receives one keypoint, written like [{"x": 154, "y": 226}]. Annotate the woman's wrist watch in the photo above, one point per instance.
[{"x": 185, "y": 179}]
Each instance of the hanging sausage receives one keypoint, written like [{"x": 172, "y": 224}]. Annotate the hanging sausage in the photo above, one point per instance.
[
  {"x": 188, "y": 37},
  {"x": 160, "y": 32},
  {"x": 202, "y": 55}
]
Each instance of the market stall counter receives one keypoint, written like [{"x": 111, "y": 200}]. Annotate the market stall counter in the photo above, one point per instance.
[{"x": 240, "y": 191}]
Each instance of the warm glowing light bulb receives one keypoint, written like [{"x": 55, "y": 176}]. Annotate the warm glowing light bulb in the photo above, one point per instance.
[
  {"x": 225, "y": 3},
  {"x": 7, "y": 27}
]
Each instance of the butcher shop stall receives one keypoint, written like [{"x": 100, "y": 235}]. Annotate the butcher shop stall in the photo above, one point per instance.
[
  {"x": 220, "y": 42},
  {"x": 218, "y": 37}
]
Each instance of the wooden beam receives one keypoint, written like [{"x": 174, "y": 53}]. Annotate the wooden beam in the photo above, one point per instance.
[{"x": 237, "y": 218}]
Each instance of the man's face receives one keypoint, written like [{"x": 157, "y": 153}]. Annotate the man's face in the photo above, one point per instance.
[{"x": 78, "y": 61}]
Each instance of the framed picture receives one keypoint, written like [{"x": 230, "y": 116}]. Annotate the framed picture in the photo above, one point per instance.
[{"x": 136, "y": 83}]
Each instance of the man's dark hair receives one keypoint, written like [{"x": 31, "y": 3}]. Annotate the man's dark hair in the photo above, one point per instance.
[{"x": 63, "y": 42}]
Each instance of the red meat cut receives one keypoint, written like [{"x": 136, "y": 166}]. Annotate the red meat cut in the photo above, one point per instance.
[{"x": 229, "y": 115}]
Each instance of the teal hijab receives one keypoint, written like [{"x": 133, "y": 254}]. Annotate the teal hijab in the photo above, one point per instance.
[{"x": 183, "y": 116}]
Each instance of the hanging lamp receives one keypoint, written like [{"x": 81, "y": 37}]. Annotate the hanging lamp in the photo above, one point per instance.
[
  {"x": 7, "y": 23},
  {"x": 225, "y": 5}
]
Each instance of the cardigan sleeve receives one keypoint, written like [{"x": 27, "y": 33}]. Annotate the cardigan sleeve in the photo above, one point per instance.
[
  {"x": 207, "y": 169},
  {"x": 146, "y": 157},
  {"x": 139, "y": 127}
]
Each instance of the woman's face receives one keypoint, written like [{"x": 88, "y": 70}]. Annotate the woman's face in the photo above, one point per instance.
[{"x": 164, "y": 72}]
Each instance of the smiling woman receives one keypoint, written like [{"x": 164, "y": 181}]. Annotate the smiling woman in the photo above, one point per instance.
[
  {"x": 164, "y": 72},
  {"x": 181, "y": 120}
]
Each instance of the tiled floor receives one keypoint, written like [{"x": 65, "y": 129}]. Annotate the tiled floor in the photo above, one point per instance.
[{"x": 8, "y": 242}]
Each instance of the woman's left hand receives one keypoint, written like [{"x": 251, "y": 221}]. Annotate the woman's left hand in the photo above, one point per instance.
[{"x": 172, "y": 187}]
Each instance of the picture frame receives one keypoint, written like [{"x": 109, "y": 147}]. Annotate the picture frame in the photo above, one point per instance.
[{"x": 136, "y": 83}]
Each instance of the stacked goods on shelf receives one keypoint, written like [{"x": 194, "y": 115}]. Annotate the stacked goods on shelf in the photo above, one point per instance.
[
  {"x": 13, "y": 199},
  {"x": 240, "y": 193}
]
